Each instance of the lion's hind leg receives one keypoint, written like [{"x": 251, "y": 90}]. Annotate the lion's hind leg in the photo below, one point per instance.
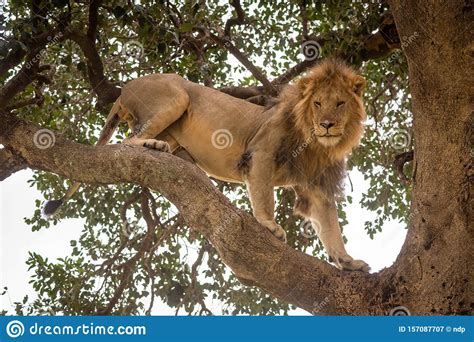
[
  {"x": 155, "y": 144},
  {"x": 142, "y": 137},
  {"x": 155, "y": 107}
]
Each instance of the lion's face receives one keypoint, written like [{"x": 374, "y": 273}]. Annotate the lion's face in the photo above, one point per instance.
[
  {"x": 333, "y": 108},
  {"x": 330, "y": 106}
]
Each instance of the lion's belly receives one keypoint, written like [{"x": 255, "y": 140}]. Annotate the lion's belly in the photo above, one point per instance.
[
  {"x": 220, "y": 165},
  {"x": 216, "y": 151},
  {"x": 216, "y": 129}
]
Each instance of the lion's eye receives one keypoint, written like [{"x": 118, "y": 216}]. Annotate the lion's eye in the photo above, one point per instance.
[
  {"x": 317, "y": 104},
  {"x": 339, "y": 104}
]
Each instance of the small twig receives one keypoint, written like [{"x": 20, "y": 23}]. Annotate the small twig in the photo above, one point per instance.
[
  {"x": 174, "y": 14},
  {"x": 225, "y": 42},
  {"x": 304, "y": 20},
  {"x": 128, "y": 266},
  {"x": 382, "y": 91},
  {"x": 123, "y": 211},
  {"x": 191, "y": 290},
  {"x": 239, "y": 20}
]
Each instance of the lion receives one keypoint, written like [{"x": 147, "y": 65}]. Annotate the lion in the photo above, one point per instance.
[{"x": 301, "y": 142}]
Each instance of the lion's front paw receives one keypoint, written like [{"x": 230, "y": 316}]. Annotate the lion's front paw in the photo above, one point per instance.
[
  {"x": 346, "y": 262},
  {"x": 159, "y": 145},
  {"x": 275, "y": 228}
]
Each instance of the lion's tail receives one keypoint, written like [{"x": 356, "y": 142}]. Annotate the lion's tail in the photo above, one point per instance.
[{"x": 113, "y": 119}]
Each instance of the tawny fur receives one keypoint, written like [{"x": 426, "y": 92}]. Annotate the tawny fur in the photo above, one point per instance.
[{"x": 301, "y": 142}]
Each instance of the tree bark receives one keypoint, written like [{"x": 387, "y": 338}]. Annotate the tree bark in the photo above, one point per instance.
[
  {"x": 9, "y": 163},
  {"x": 434, "y": 269}
]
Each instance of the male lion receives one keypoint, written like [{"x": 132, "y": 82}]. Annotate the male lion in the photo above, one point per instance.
[{"x": 301, "y": 142}]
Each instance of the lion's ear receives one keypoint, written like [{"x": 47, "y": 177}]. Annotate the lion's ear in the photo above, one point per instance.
[{"x": 358, "y": 84}]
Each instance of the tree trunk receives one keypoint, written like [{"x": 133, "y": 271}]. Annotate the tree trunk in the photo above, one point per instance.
[
  {"x": 434, "y": 269},
  {"x": 433, "y": 273}
]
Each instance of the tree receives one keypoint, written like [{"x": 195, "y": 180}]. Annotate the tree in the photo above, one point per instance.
[{"x": 61, "y": 76}]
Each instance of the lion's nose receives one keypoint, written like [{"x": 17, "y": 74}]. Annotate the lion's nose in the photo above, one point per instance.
[{"x": 326, "y": 124}]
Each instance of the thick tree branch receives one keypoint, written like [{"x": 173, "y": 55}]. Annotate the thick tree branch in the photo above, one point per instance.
[
  {"x": 441, "y": 230},
  {"x": 16, "y": 52},
  {"x": 27, "y": 74},
  {"x": 10, "y": 163},
  {"x": 106, "y": 91},
  {"x": 249, "y": 249}
]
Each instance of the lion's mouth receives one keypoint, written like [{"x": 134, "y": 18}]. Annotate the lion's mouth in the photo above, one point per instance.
[
  {"x": 329, "y": 140},
  {"x": 327, "y": 135}
]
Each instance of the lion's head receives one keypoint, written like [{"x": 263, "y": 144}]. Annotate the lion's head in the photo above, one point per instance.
[{"x": 328, "y": 107}]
